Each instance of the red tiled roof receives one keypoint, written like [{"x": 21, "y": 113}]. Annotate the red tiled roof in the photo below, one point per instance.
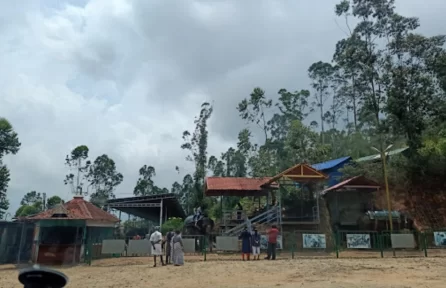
[
  {"x": 79, "y": 209},
  {"x": 235, "y": 185}
]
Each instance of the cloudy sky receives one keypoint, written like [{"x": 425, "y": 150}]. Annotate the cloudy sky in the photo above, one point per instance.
[{"x": 127, "y": 77}]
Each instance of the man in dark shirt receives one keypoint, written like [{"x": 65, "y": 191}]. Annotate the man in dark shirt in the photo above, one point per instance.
[
  {"x": 256, "y": 245},
  {"x": 272, "y": 242}
]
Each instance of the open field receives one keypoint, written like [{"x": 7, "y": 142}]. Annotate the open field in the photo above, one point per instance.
[{"x": 322, "y": 272}]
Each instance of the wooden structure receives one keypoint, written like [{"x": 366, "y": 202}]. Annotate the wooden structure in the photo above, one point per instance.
[
  {"x": 267, "y": 187},
  {"x": 61, "y": 234},
  {"x": 238, "y": 187},
  {"x": 305, "y": 210}
]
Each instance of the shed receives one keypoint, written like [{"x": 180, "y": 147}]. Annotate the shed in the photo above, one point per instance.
[
  {"x": 349, "y": 200},
  {"x": 62, "y": 233}
]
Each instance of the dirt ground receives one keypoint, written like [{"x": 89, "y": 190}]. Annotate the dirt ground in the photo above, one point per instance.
[{"x": 230, "y": 271}]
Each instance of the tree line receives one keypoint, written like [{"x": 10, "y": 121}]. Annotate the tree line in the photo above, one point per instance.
[{"x": 385, "y": 85}]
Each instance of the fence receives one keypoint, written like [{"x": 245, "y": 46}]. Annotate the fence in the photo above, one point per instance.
[
  {"x": 195, "y": 248},
  {"x": 16, "y": 242},
  {"x": 17, "y": 245}
]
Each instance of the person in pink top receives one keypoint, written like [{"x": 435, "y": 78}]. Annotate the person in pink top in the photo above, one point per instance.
[{"x": 272, "y": 243}]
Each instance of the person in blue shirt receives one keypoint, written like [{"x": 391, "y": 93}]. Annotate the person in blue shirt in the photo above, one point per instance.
[
  {"x": 256, "y": 245},
  {"x": 245, "y": 236}
]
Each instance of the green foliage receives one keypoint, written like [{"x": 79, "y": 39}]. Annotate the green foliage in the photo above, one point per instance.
[
  {"x": 172, "y": 224},
  {"x": 79, "y": 165},
  {"x": 28, "y": 210},
  {"x": 103, "y": 178},
  {"x": 9, "y": 144},
  {"x": 53, "y": 201},
  {"x": 32, "y": 203},
  {"x": 145, "y": 185}
]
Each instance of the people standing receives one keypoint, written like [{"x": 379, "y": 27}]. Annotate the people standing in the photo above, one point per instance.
[
  {"x": 272, "y": 242},
  {"x": 169, "y": 237},
  {"x": 245, "y": 236},
  {"x": 256, "y": 245},
  {"x": 156, "y": 239},
  {"x": 178, "y": 249}
]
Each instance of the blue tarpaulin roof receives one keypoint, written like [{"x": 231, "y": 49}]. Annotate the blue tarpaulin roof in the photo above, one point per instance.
[{"x": 330, "y": 164}]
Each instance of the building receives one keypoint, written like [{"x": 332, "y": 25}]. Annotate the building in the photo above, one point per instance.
[{"x": 62, "y": 234}]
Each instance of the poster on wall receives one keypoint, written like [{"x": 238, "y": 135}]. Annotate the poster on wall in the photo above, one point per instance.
[
  {"x": 358, "y": 241},
  {"x": 314, "y": 241},
  {"x": 264, "y": 242},
  {"x": 440, "y": 238}
]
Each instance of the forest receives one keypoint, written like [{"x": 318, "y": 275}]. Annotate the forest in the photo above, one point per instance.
[{"x": 384, "y": 85}]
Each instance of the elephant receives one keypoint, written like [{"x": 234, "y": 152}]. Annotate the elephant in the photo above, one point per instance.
[{"x": 204, "y": 227}]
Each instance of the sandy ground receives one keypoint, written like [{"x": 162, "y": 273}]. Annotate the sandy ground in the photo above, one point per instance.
[{"x": 230, "y": 271}]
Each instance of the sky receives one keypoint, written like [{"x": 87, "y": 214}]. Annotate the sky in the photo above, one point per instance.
[{"x": 126, "y": 78}]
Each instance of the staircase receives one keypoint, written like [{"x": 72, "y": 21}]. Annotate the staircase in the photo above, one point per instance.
[{"x": 272, "y": 215}]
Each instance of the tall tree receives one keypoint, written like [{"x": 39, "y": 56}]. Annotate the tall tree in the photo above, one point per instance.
[
  {"x": 31, "y": 198},
  {"x": 197, "y": 144},
  {"x": 254, "y": 110},
  {"x": 321, "y": 75},
  {"x": 78, "y": 163},
  {"x": 144, "y": 185},
  {"x": 9, "y": 144},
  {"x": 103, "y": 177}
]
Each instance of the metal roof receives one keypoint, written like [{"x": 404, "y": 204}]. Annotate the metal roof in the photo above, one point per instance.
[
  {"x": 378, "y": 156},
  {"x": 148, "y": 207},
  {"x": 330, "y": 163},
  {"x": 357, "y": 182}
]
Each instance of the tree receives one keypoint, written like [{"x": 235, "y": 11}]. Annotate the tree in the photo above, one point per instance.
[
  {"x": 9, "y": 144},
  {"x": 103, "y": 178},
  {"x": 31, "y": 198},
  {"x": 9, "y": 139},
  {"x": 53, "y": 201},
  {"x": 77, "y": 162},
  {"x": 145, "y": 184},
  {"x": 253, "y": 109},
  {"x": 31, "y": 203},
  {"x": 321, "y": 75},
  {"x": 4, "y": 180},
  {"x": 197, "y": 144}
]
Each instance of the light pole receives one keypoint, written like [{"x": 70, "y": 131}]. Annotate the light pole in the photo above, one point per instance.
[{"x": 383, "y": 154}]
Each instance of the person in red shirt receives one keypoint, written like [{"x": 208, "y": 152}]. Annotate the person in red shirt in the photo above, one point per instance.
[{"x": 272, "y": 242}]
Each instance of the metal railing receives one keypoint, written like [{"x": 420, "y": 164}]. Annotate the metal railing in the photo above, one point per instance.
[{"x": 268, "y": 216}]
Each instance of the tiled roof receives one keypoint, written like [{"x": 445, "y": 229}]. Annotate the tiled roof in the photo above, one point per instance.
[
  {"x": 235, "y": 183},
  {"x": 330, "y": 163},
  {"x": 237, "y": 186},
  {"x": 79, "y": 209}
]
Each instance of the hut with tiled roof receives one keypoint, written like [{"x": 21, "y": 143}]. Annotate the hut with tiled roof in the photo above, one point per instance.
[{"x": 62, "y": 234}]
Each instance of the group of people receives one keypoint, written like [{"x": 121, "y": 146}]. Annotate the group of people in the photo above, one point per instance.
[
  {"x": 251, "y": 243},
  {"x": 172, "y": 244}
]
